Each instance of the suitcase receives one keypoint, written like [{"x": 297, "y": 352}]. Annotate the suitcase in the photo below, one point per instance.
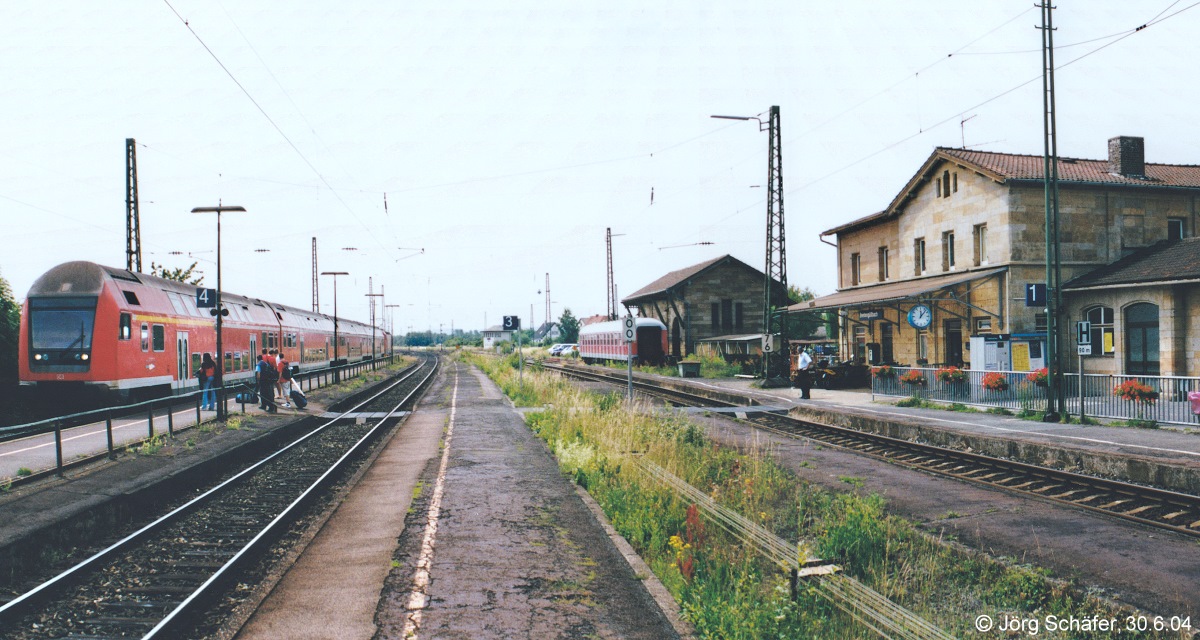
[
  {"x": 246, "y": 398},
  {"x": 298, "y": 399}
]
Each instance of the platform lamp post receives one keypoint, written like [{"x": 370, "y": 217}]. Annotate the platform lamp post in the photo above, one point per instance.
[
  {"x": 336, "y": 353},
  {"x": 219, "y": 311}
]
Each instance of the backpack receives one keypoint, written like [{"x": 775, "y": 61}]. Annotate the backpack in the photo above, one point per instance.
[{"x": 270, "y": 374}]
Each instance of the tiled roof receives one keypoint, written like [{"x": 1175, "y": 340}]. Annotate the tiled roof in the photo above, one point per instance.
[
  {"x": 1017, "y": 167},
  {"x": 1167, "y": 261},
  {"x": 1004, "y": 167}
]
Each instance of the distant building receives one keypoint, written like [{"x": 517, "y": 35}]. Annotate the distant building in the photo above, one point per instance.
[
  {"x": 494, "y": 335},
  {"x": 946, "y": 264},
  {"x": 719, "y": 297},
  {"x": 548, "y": 330}
]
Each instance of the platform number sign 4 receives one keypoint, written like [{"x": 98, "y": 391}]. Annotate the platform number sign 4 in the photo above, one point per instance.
[
  {"x": 512, "y": 323},
  {"x": 206, "y": 298}
]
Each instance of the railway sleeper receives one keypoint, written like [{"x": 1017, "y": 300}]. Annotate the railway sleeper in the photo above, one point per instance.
[{"x": 1134, "y": 512}]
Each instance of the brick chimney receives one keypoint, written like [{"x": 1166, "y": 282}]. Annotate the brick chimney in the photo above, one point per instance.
[{"x": 1127, "y": 156}]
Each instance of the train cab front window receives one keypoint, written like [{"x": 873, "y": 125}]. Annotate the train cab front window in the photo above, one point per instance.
[{"x": 61, "y": 330}]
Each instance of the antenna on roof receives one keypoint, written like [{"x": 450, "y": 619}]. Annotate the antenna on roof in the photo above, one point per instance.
[{"x": 963, "y": 129}]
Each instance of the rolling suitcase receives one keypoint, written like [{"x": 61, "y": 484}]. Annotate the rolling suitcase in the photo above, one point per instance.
[{"x": 298, "y": 399}]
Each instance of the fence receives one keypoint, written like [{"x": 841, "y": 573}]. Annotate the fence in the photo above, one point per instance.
[
  {"x": 148, "y": 409},
  {"x": 1016, "y": 391}
]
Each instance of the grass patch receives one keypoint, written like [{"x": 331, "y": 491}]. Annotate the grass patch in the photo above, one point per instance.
[
  {"x": 24, "y": 472},
  {"x": 724, "y": 588}
]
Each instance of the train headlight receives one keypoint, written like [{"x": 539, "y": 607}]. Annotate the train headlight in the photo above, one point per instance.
[
  {"x": 37, "y": 356},
  {"x": 84, "y": 356}
]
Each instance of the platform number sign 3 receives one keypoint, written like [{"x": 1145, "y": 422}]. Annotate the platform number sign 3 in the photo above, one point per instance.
[{"x": 512, "y": 323}]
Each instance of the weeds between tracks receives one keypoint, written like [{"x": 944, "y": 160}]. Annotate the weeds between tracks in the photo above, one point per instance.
[{"x": 724, "y": 588}]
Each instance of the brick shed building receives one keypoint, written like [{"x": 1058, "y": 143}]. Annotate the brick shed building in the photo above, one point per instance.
[{"x": 719, "y": 297}]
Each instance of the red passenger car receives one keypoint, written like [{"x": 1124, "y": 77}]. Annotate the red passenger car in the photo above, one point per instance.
[
  {"x": 133, "y": 333},
  {"x": 606, "y": 341}
]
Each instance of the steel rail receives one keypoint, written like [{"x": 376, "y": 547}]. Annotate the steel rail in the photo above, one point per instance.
[
  {"x": 1177, "y": 512},
  {"x": 19, "y": 605}
]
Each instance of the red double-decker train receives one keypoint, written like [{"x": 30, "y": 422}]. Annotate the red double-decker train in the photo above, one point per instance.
[
  {"x": 606, "y": 341},
  {"x": 85, "y": 324}
]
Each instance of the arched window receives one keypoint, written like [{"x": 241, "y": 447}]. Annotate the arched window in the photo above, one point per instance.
[
  {"x": 1141, "y": 339},
  {"x": 1101, "y": 318}
]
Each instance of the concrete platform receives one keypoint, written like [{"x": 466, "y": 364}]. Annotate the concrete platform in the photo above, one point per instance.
[{"x": 497, "y": 544}]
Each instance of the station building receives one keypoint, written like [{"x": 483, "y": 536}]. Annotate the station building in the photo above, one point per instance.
[
  {"x": 944, "y": 267},
  {"x": 715, "y": 298}
]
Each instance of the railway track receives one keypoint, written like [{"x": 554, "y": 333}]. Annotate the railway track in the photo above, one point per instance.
[
  {"x": 166, "y": 579},
  {"x": 1159, "y": 508}
]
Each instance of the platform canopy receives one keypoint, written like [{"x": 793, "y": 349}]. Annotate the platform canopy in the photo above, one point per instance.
[{"x": 890, "y": 292}]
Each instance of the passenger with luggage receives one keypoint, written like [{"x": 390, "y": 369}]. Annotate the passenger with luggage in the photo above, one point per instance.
[{"x": 291, "y": 388}]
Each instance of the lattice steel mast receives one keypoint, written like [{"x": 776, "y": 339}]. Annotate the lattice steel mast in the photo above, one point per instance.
[
  {"x": 1054, "y": 392},
  {"x": 776, "y": 254},
  {"x": 133, "y": 229}
]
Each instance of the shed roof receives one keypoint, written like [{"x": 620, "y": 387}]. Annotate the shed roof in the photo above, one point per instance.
[
  {"x": 675, "y": 278},
  {"x": 1175, "y": 261}
]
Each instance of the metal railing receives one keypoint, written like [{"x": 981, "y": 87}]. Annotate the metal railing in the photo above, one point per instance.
[
  {"x": 315, "y": 378},
  {"x": 1016, "y": 391}
]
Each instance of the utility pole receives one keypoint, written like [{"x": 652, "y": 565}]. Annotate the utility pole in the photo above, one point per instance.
[
  {"x": 547, "y": 299},
  {"x": 608, "y": 288},
  {"x": 776, "y": 263},
  {"x": 133, "y": 227},
  {"x": 316, "y": 297},
  {"x": 371, "y": 295},
  {"x": 1054, "y": 391}
]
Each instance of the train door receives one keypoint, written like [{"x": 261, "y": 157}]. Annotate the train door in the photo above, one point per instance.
[
  {"x": 181, "y": 356},
  {"x": 300, "y": 357},
  {"x": 253, "y": 350}
]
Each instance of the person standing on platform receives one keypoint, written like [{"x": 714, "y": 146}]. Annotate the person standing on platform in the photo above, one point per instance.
[
  {"x": 267, "y": 376},
  {"x": 804, "y": 373},
  {"x": 208, "y": 378}
]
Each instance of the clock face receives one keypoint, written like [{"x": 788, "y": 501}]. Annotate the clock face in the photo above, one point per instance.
[{"x": 920, "y": 316}]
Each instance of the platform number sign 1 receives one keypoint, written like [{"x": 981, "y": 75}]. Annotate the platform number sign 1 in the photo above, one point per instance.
[
  {"x": 512, "y": 323},
  {"x": 206, "y": 298},
  {"x": 630, "y": 334}
]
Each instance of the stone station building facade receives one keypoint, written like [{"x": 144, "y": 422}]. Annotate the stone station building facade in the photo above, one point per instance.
[{"x": 944, "y": 267}]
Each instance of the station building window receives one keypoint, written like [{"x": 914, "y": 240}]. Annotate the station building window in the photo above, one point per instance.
[
  {"x": 947, "y": 250},
  {"x": 883, "y": 264},
  {"x": 855, "y": 269},
  {"x": 919, "y": 256},
  {"x": 1102, "y": 336},
  {"x": 980, "y": 242}
]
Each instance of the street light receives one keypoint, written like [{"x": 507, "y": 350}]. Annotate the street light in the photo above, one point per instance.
[
  {"x": 336, "y": 355},
  {"x": 220, "y": 310}
]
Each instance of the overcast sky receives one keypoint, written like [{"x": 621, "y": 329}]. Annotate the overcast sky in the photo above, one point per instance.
[{"x": 507, "y": 136}]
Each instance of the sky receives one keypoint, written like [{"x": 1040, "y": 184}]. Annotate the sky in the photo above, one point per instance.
[{"x": 505, "y": 138}]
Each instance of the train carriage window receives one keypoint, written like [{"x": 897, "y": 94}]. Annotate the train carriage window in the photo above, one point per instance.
[
  {"x": 228, "y": 362},
  {"x": 196, "y": 361},
  {"x": 145, "y": 337},
  {"x": 160, "y": 338},
  {"x": 238, "y": 360},
  {"x": 126, "y": 326},
  {"x": 176, "y": 303},
  {"x": 189, "y": 303},
  {"x": 131, "y": 298}
]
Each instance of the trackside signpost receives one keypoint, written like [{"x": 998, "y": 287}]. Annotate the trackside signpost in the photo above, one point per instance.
[
  {"x": 630, "y": 338},
  {"x": 1083, "y": 340},
  {"x": 513, "y": 323}
]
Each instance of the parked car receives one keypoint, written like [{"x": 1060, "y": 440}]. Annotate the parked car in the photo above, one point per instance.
[
  {"x": 556, "y": 348},
  {"x": 568, "y": 351}
]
